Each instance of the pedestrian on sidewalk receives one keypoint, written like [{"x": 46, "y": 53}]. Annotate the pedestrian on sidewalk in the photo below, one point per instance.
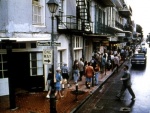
[
  {"x": 49, "y": 82},
  {"x": 126, "y": 79},
  {"x": 75, "y": 71},
  {"x": 97, "y": 73},
  {"x": 116, "y": 62},
  {"x": 81, "y": 68},
  {"x": 65, "y": 73},
  {"x": 58, "y": 87},
  {"x": 89, "y": 73},
  {"x": 103, "y": 63},
  {"x": 109, "y": 62},
  {"x": 112, "y": 61}
]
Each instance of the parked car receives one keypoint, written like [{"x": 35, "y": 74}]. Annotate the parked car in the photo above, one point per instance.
[{"x": 138, "y": 59}]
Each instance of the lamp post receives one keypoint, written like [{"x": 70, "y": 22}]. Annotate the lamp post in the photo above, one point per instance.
[{"x": 52, "y": 5}]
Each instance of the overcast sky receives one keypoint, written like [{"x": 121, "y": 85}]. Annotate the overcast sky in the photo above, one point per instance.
[{"x": 141, "y": 14}]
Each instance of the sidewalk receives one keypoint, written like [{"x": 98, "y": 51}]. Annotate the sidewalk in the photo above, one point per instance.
[{"x": 37, "y": 103}]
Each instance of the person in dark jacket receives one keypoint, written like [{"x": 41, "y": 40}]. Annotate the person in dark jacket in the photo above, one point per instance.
[
  {"x": 49, "y": 82},
  {"x": 126, "y": 79}
]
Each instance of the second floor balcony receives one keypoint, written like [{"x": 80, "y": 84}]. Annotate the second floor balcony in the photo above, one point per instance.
[
  {"x": 128, "y": 27},
  {"x": 106, "y": 3},
  {"x": 70, "y": 24},
  {"x": 103, "y": 29},
  {"x": 118, "y": 25},
  {"x": 125, "y": 11}
]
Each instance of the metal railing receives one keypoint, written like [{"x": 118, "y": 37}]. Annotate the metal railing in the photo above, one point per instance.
[{"x": 70, "y": 22}]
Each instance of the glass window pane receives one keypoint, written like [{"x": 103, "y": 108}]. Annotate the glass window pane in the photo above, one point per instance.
[
  {"x": 39, "y": 56},
  {"x": 1, "y": 74},
  {"x": 5, "y": 66},
  {"x": 4, "y": 56},
  {"x": 34, "y": 71},
  {"x": 0, "y": 58},
  {"x": 34, "y": 64},
  {"x": 5, "y": 74},
  {"x": 33, "y": 45},
  {"x": 1, "y": 66},
  {"x": 40, "y": 71},
  {"x": 39, "y": 63},
  {"x": 33, "y": 56}
]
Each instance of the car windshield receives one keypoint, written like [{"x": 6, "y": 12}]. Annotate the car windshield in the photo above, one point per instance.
[{"x": 138, "y": 56}]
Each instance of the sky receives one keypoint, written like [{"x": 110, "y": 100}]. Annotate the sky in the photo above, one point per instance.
[{"x": 141, "y": 14}]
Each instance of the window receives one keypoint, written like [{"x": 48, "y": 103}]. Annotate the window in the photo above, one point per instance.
[
  {"x": 36, "y": 64},
  {"x": 38, "y": 12},
  {"x": 19, "y": 45},
  {"x": 78, "y": 42},
  {"x": 33, "y": 45},
  {"x": 3, "y": 66},
  {"x": 78, "y": 46}
]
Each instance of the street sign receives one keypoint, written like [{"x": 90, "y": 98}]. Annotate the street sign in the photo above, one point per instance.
[
  {"x": 46, "y": 43},
  {"x": 56, "y": 44},
  {"x": 47, "y": 56},
  {"x": 43, "y": 43}
]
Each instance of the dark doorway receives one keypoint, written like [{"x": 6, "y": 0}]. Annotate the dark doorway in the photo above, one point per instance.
[{"x": 20, "y": 69}]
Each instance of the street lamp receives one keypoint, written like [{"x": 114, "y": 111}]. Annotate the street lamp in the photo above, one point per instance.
[{"x": 52, "y": 5}]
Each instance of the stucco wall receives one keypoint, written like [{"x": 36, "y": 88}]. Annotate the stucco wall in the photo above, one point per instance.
[
  {"x": 3, "y": 14},
  {"x": 16, "y": 17}
]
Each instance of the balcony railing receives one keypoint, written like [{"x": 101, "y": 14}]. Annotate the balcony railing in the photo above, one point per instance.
[
  {"x": 70, "y": 22},
  {"x": 103, "y": 29},
  {"x": 128, "y": 28},
  {"x": 118, "y": 25},
  {"x": 106, "y": 3}
]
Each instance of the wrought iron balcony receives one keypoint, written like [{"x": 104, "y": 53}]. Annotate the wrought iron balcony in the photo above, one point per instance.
[
  {"x": 128, "y": 27},
  {"x": 125, "y": 11},
  {"x": 70, "y": 24},
  {"x": 103, "y": 29},
  {"x": 106, "y": 3},
  {"x": 118, "y": 25}
]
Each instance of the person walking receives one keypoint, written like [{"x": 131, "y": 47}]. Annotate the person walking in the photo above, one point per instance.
[
  {"x": 75, "y": 71},
  {"x": 126, "y": 79},
  {"x": 89, "y": 73},
  {"x": 65, "y": 73},
  {"x": 49, "y": 82},
  {"x": 58, "y": 87},
  {"x": 97, "y": 73},
  {"x": 116, "y": 62},
  {"x": 103, "y": 64},
  {"x": 81, "y": 68}
]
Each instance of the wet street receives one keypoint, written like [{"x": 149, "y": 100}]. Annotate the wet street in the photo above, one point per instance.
[{"x": 104, "y": 100}]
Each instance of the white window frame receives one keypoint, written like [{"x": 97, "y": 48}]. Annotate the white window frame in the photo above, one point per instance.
[
  {"x": 38, "y": 64},
  {"x": 78, "y": 42},
  {"x": 78, "y": 46},
  {"x": 2, "y": 62},
  {"x": 38, "y": 12}
]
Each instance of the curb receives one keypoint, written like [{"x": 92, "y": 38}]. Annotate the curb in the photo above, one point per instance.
[{"x": 86, "y": 99}]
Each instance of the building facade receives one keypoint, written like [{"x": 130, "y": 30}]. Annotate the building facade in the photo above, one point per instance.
[{"x": 81, "y": 26}]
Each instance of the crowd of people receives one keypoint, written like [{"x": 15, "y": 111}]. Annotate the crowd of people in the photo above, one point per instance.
[{"x": 91, "y": 70}]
